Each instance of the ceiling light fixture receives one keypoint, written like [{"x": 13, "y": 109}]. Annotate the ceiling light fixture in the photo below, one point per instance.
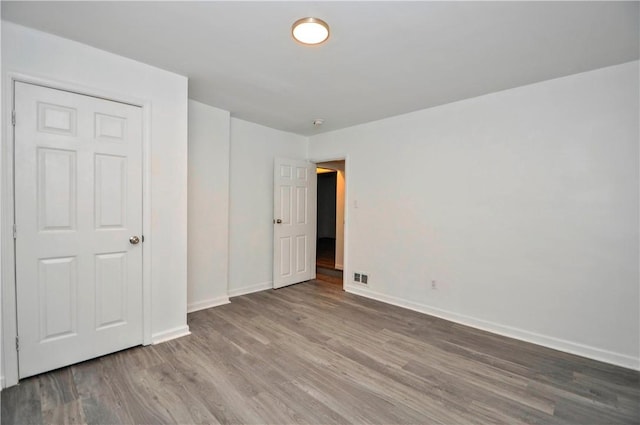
[{"x": 310, "y": 31}]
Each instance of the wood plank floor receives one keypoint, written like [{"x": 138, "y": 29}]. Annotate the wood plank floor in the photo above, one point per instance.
[
  {"x": 326, "y": 253},
  {"x": 329, "y": 275},
  {"x": 311, "y": 353}
]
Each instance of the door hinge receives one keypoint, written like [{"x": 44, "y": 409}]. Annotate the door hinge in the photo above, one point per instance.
[
  {"x": 17, "y": 344},
  {"x": 13, "y": 118},
  {"x": 15, "y": 231}
]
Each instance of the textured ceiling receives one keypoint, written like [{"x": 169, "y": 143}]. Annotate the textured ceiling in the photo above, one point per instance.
[{"x": 383, "y": 58}]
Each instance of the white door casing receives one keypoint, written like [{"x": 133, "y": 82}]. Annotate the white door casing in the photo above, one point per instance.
[
  {"x": 78, "y": 200},
  {"x": 294, "y": 223}
]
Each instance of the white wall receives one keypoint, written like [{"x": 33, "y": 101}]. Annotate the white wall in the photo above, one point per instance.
[
  {"x": 208, "y": 218},
  {"x": 253, "y": 149},
  {"x": 42, "y": 55},
  {"x": 522, "y": 205}
]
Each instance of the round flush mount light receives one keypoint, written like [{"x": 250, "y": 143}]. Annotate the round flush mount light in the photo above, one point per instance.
[{"x": 310, "y": 31}]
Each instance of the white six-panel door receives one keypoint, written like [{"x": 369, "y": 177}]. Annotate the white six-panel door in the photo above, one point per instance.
[
  {"x": 78, "y": 201},
  {"x": 294, "y": 224}
]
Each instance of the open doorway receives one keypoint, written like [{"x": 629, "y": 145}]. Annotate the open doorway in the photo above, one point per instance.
[{"x": 330, "y": 221}]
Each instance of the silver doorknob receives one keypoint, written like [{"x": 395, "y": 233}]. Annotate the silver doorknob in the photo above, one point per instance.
[{"x": 134, "y": 240}]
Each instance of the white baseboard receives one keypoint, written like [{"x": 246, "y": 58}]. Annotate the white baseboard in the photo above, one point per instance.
[
  {"x": 250, "y": 289},
  {"x": 170, "y": 334},
  {"x": 527, "y": 336},
  {"x": 211, "y": 302}
]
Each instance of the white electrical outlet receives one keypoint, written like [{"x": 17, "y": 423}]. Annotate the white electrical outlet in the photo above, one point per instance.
[{"x": 434, "y": 284}]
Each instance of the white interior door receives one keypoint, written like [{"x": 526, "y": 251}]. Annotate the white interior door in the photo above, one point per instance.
[
  {"x": 294, "y": 223},
  {"x": 78, "y": 201}
]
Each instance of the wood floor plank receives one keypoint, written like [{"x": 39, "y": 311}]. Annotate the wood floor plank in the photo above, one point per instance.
[
  {"x": 172, "y": 391},
  {"x": 57, "y": 388},
  {"x": 21, "y": 403},
  {"x": 275, "y": 410},
  {"x": 313, "y": 354},
  {"x": 138, "y": 398},
  {"x": 309, "y": 409},
  {"x": 90, "y": 379},
  {"x": 104, "y": 410},
  {"x": 220, "y": 389},
  {"x": 70, "y": 413}
]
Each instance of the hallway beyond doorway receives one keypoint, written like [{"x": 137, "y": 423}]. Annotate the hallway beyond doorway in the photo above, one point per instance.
[{"x": 325, "y": 261}]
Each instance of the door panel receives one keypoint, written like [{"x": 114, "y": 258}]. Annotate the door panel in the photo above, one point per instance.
[
  {"x": 110, "y": 190},
  {"x": 56, "y": 176},
  {"x": 78, "y": 199},
  {"x": 111, "y": 289},
  {"x": 294, "y": 222},
  {"x": 57, "y": 289}
]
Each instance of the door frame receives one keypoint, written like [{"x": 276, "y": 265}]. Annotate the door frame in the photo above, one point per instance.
[
  {"x": 347, "y": 179},
  {"x": 7, "y": 210}
]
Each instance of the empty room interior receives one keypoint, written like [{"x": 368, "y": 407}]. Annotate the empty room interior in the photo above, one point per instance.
[{"x": 318, "y": 212}]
